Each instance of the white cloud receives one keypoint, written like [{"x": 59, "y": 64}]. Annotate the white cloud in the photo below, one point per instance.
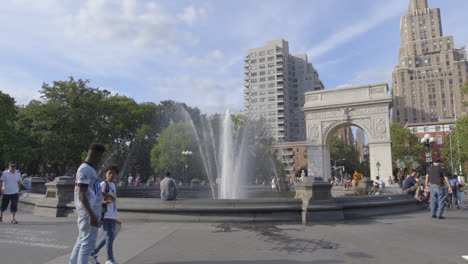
[
  {"x": 212, "y": 57},
  {"x": 147, "y": 25},
  {"x": 384, "y": 10},
  {"x": 374, "y": 75},
  {"x": 191, "y": 14},
  {"x": 209, "y": 95},
  {"x": 22, "y": 86}
]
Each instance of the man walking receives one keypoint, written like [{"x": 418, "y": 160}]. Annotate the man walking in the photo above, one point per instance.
[
  {"x": 88, "y": 203},
  {"x": 436, "y": 176},
  {"x": 10, "y": 183}
]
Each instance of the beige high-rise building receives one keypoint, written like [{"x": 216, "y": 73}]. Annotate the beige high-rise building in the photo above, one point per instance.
[
  {"x": 428, "y": 79},
  {"x": 275, "y": 83}
]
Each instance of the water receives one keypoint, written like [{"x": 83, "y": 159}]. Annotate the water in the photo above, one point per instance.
[{"x": 224, "y": 161}]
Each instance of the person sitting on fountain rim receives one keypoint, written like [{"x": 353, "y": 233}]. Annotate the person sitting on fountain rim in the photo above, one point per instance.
[
  {"x": 411, "y": 184},
  {"x": 168, "y": 188},
  {"x": 356, "y": 178},
  {"x": 378, "y": 185}
]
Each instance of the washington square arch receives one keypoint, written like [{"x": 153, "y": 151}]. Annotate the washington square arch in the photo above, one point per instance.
[{"x": 365, "y": 106}]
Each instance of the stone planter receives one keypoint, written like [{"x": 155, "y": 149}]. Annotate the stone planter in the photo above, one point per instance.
[{"x": 38, "y": 185}]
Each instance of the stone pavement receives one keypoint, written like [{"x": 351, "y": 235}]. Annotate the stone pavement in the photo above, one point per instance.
[{"x": 408, "y": 238}]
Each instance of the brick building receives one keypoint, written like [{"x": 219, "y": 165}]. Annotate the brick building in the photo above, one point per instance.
[{"x": 293, "y": 155}]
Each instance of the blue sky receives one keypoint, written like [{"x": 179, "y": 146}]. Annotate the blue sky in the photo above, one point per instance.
[{"x": 191, "y": 51}]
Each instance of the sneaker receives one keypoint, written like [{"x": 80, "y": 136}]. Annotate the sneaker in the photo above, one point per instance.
[
  {"x": 434, "y": 216},
  {"x": 111, "y": 261},
  {"x": 441, "y": 217}
]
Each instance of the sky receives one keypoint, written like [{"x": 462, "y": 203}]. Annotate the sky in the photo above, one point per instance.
[{"x": 192, "y": 51}]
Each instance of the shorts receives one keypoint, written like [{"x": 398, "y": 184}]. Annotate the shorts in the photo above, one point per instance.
[
  {"x": 411, "y": 190},
  {"x": 14, "y": 202}
]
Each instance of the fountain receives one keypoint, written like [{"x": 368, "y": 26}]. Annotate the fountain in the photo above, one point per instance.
[
  {"x": 231, "y": 169},
  {"x": 226, "y": 156}
]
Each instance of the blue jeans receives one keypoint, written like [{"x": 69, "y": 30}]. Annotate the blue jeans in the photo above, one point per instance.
[
  {"x": 108, "y": 239},
  {"x": 85, "y": 242},
  {"x": 438, "y": 197}
]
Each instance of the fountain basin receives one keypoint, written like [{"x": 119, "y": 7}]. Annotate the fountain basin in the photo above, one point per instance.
[{"x": 280, "y": 210}]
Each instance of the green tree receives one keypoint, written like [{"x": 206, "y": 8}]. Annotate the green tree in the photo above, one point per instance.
[
  {"x": 8, "y": 112},
  {"x": 456, "y": 148},
  {"x": 348, "y": 155},
  {"x": 405, "y": 146},
  {"x": 70, "y": 117},
  {"x": 167, "y": 153}
]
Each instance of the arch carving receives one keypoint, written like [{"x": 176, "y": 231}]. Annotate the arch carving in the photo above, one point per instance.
[{"x": 366, "y": 106}]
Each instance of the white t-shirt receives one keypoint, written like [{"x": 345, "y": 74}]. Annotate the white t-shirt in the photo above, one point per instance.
[
  {"x": 86, "y": 174},
  {"x": 380, "y": 183},
  {"x": 130, "y": 180},
  {"x": 27, "y": 183},
  {"x": 111, "y": 212},
  {"x": 10, "y": 182}
]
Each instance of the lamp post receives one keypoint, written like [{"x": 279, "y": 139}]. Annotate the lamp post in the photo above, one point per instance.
[
  {"x": 186, "y": 153},
  {"x": 378, "y": 168},
  {"x": 428, "y": 141},
  {"x": 334, "y": 168}
]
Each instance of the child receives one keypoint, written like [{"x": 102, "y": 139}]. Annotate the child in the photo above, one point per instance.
[
  {"x": 460, "y": 190},
  {"x": 110, "y": 222}
]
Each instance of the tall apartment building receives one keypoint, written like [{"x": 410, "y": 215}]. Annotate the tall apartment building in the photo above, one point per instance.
[
  {"x": 275, "y": 83},
  {"x": 428, "y": 79}
]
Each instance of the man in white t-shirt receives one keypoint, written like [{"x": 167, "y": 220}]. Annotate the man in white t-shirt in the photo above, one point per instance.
[
  {"x": 130, "y": 180},
  {"x": 88, "y": 202},
  {"x": 109, "y": 191},
  {"x": 10, "y": 183}
]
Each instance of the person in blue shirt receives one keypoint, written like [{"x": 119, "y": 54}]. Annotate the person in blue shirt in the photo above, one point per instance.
[
  {"x": 411, "y": 184},
  {"x": 452, "y": 197}
]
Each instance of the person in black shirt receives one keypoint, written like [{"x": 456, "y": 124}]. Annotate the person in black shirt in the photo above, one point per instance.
[{"x": 435, "y": 177}]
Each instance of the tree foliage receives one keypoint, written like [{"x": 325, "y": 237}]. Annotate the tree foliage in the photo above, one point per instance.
[
  {"x": 167, "y": 153},
  {"x": 347, "y": 156},
  {"x": 405, "y": 146}
]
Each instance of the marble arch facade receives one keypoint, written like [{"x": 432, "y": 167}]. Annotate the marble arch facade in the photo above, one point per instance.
[{"x": 365, "y": 106}]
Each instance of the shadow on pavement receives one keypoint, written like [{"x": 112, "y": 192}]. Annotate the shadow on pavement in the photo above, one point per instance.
[
  {"x": 280, "y": 240},
  {"x": 320, "y": 261}
]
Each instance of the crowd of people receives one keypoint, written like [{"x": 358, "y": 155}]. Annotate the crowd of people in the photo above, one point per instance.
[{"x": 95, "y": 200}]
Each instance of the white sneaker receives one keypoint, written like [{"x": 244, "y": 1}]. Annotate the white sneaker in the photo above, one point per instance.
[{"x": 111, "y": 262}]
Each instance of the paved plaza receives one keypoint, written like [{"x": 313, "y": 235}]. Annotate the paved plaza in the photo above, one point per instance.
[{"x": 407, "y": 238}]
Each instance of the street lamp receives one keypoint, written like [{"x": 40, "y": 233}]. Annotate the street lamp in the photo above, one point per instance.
[
  {"x": 186, "y": 153},
  {"x": 428, "y": 141},
  {"x": 378, "y": 168},
  {"x": 334, "y": 168}
]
